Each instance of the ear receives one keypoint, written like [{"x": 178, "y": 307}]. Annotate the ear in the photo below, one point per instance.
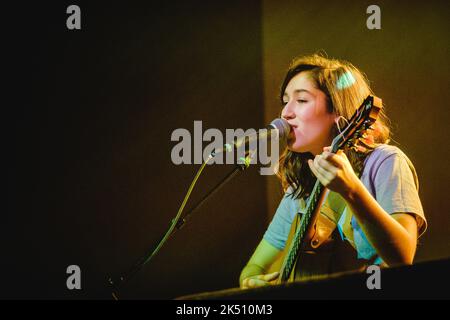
[{"x": 335, "y": 120}]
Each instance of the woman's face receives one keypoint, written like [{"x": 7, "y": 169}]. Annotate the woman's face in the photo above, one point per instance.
[{"x": 306, "y": 111}]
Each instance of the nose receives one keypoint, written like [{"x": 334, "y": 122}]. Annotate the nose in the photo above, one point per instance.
[{"x": 288, "y": 111}]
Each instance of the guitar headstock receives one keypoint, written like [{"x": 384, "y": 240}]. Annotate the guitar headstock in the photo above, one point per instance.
[{"x": 362, "y": 119}]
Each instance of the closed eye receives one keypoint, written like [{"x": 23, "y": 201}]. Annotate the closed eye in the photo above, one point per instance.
[{"x": 299, "y": 101}]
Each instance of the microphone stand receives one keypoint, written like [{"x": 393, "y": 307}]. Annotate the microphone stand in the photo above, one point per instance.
[{"x": 125, "y": 277}]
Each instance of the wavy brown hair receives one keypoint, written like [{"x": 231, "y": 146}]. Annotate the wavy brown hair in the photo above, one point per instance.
[{"x": 345, "y": 88}]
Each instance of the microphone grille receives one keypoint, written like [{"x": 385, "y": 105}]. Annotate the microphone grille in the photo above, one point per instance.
[{"x": 283, "y": 127}]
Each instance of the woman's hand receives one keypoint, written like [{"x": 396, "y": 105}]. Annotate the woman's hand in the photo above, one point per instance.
[
  {"x": 334, "y": 171},
  {"x": 259, "y": 280}
]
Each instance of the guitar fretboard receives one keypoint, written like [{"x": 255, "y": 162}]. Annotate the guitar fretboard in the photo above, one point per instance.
[{"x": 301, "y": 231}]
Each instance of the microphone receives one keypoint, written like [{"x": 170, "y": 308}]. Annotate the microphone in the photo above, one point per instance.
[{"x": 278, "y": 128}]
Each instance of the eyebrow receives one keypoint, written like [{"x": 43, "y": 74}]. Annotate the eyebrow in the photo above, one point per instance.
[{"x": 299, "y": 91}]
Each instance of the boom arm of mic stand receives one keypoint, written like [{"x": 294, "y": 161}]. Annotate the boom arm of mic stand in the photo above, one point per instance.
[
  {"x": 124, "y": 278},
  {"x": 228, "y": 177}
]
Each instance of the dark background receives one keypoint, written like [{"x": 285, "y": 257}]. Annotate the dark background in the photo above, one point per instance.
[
  {"x": 94, "y": 183},
  {"x": 90, "y": 178}
]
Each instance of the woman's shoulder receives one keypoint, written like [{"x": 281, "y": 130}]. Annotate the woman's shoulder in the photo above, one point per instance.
[
  {"x": 386, "y": 150},
  {"x": 388, "y": 158},
  {"x": 383, "y": 152}
]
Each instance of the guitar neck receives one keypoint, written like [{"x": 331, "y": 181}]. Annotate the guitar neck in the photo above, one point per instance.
[{"x": 304, "y": 229}]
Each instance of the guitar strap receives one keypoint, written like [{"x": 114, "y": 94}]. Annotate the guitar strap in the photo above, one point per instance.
[
  {"x": 326, "y": 222},
  {"x": 330, "y": 213}
]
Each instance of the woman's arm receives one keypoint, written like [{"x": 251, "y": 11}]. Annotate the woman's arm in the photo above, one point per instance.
[
  {"x": 394, "y": 237},
  {"x": 253, "y": 274}
]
